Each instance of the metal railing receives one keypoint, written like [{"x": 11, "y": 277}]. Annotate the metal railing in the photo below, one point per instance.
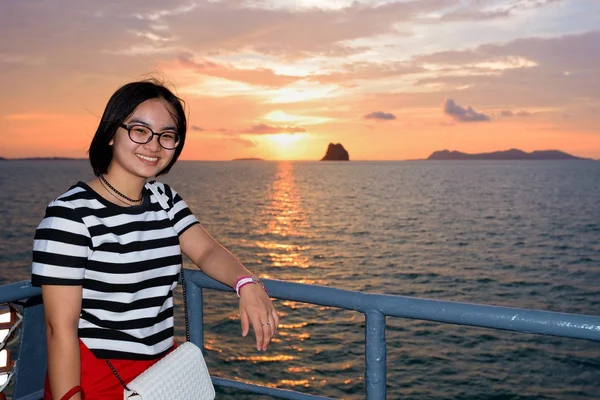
[{"x": 32, "y": 355}]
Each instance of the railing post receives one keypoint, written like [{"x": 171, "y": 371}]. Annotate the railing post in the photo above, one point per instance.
[
  {"x": 375, "y": 355},
  {"x": 195, "y": 309},
  {"x": 32, "y": 359}
]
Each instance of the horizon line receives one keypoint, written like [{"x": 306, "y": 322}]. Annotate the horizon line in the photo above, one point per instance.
[
  {"x": 306, "y": 159},
  {"x": 291, "y": 160}
]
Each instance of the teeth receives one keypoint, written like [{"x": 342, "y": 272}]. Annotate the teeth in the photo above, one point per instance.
[{"x": 151, "y": 159}]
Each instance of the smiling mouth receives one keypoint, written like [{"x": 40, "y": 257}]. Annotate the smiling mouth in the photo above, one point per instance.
[{"x": 146, "y": 158}]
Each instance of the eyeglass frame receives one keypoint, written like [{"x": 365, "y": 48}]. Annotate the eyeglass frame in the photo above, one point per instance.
[{"x": 130, "y": 126}]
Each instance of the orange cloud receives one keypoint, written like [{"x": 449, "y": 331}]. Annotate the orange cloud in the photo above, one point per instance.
[
  {"x": 380, "y": 115},
  {"x": 261, "y": 129},
  {"x": 260, "y": 76}
]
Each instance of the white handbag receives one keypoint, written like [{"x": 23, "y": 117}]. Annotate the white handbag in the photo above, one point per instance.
[{"x": 180, "y": 375}]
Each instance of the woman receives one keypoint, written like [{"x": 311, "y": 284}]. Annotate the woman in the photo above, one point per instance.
[{"x": 107, "y": 255}]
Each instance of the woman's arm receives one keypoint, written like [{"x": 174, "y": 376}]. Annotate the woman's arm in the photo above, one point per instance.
[
  {"x": 218, "y": 263},
  {"x": 62, "y": 306}
]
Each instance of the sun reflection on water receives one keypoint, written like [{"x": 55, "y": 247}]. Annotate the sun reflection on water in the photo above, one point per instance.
[
  {"x": 282, "y": 242},
  {"x": 263, "y": 359},
  {"x": 293, "y": 326},
  {"x": 295, "y": 305},
  {"x": 292, "y": 383},
  {"x": 299, "y": 369},
  {"x": 285, "y": 222}
]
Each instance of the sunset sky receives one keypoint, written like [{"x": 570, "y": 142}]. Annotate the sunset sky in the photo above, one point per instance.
[{"x": 280, "y": 79}]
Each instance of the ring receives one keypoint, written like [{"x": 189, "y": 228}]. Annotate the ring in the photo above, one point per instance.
[{"x": 266, "y": 323}]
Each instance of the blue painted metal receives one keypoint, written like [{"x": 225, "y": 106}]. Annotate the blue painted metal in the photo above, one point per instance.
[
  {"x": 31, "y": 357},
  {"x": 195, "y": 306},
  {"x": 31, "y": 360},
  {"x": 12, "y": 292},
  {"x": 375, "y": 355},
  {"x": 576, "y": 326},
  {"x": 375, "y": 307}
]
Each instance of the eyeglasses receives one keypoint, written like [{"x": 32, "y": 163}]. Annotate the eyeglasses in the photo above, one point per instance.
[{"x": 141, "y": 134}]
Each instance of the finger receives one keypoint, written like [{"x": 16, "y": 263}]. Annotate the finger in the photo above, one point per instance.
[
  {"x": 244, "y": 321},
  {"x": 258, "y": 331},
  {"x": 268, "y": 333},
  {"x": 275, "y": 324}
]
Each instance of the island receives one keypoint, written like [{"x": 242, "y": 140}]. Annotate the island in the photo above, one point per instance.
[
  {"x": 248, "y": 159},
  {"x": 512, "y": 154},
  {"x": 41, "y": 159},
  {"x": 336, "y": 152}
]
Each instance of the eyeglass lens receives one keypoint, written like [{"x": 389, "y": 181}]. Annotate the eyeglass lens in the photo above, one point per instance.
[{"x": 142, "y": 134}]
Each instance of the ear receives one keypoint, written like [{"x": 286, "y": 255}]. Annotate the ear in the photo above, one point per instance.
[{"x": 112, "y": 141}]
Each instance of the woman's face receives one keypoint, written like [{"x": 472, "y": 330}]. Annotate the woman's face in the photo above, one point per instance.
[{"x": 144, "y": 160}]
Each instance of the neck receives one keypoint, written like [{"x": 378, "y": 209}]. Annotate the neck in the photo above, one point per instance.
[{"x": 130, "y": 185}]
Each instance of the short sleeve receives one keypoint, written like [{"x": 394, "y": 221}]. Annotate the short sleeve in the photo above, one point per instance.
[
  {"x": 60, "y": 247},
  {"x": 180, "y": 214}
]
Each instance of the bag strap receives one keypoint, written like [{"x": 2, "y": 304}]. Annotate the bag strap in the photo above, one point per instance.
[
  {"x": 165, "y": 199},
  {"x": 166, "y": 202}
]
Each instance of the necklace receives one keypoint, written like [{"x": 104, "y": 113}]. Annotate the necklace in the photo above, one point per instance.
[
  {"x": 114, "y": 195},
  {"x": 103, "y": 179}
]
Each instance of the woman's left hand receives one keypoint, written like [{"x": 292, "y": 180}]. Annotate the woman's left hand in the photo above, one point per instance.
[
  {"x": 218, "y": 263},
  {"x": 256, "y": 309}
]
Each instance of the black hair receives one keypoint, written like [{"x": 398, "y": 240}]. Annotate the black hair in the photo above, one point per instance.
[{"x": 120, "y": 106}]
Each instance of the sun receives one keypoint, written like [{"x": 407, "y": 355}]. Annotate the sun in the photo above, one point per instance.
[
  {"x": 284, "y": 140},
  {"x": 285, "y": 146}
]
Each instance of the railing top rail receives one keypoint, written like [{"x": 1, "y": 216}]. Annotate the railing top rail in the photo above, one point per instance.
[
  {"x": 576, "y": 326},
  {"x": 16, "y": 291}
]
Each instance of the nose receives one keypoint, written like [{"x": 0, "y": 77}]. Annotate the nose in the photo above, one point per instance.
[{"x": 153, "y": 145}]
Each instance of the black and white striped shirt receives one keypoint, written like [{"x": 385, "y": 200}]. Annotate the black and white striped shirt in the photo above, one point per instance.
[{"x": 127, "y": 259}]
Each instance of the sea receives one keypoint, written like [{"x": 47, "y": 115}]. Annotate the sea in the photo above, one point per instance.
[{"x": 509, "y": 233}]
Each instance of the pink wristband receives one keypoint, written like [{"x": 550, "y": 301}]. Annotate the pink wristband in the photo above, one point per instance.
[
  {"x": 241, "y": 281},
  {"x": 240, "y": 278},
  {"x": 242, "y": 285},
  {"x": 244, "y": 280}
]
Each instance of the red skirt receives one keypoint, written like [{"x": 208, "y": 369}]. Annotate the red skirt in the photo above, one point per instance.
[{"x": 97, "y": 379}]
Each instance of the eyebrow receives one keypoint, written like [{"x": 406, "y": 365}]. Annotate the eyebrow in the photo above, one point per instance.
[{"x": 139, "y": 121}]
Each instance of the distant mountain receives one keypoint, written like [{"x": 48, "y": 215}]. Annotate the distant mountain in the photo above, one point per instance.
[
  {"x": 336, "y": 152},
  {"x": 512, "y": 154},
  {"x": 248, "y": 159}
]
